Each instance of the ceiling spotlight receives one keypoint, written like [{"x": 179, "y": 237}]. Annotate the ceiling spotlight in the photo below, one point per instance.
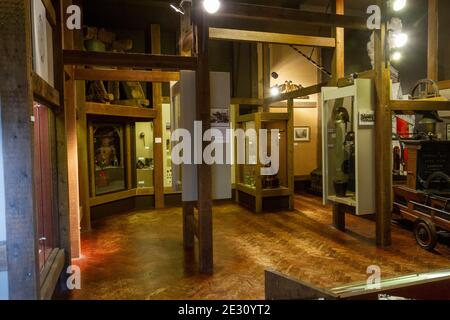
[
  {"x": 179, "y": 8},
  {"x": 398, "y": 5},
  {"x": 211, "y": 6},
  {"x": 396, "y": 56},
  {"x": 400, "y": 39},
  {"x": 176, "y": 8},
  {"x": 275, "y": 91}
]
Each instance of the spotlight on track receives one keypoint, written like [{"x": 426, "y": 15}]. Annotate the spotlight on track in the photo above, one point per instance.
[
  {"x": 275, "y": 91},
  {"x": 398, "y": 5},
  {"x": 396, "y": 56},
  {"x": 211, "y": 6},
  {"x": 400, "y": 39},
  {"x": 177, "y": 8}
]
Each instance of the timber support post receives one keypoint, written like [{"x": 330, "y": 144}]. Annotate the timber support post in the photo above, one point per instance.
[{"x": 383, "y": 136}]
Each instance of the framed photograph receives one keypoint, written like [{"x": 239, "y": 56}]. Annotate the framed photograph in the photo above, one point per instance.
[
  {"x": 220, "y": 117},
  {"x": 302, "y": 134}
]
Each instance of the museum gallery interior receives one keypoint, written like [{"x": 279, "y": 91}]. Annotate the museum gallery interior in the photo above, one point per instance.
[{"x": 216, "y": 149}]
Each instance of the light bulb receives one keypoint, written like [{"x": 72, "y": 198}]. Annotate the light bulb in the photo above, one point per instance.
[
  {"x": 274, "y": 91},
  {"x": 399, "y": 5},
  {"x": 400, "y": 39},
  {"x": 211, "y": 6},
  {"x": 396, "y": 56}
]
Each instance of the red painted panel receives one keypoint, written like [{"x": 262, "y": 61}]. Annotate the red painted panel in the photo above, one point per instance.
[{"x": 43, "y": 182}]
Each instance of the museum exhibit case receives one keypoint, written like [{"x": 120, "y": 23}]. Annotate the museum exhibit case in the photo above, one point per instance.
[
  {"x": 254, "y": 190},
  {"x": 121, "y": 158},
  {"x": 183, "y": 117},
  {"x": 108, "y": 148},
  {"x": 348, "y": 122},
  {"x": 144, "y": 154}
]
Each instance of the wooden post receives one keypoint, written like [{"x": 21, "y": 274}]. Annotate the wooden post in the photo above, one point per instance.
[
  {"x": 258, "y": 177},
  {"x": 339, "y": 216},
  {"x": 157, "y": 124},
  {"x": 188, "y": 225},
  {"x": 129, "y": 165},
  {"x": 16, "y": 106},
  {"x": 204, "y": 204},
  {"x": 383, "y": 137},
  {"x": 433, "y": 40},
  {"x": 339, "y": 58},
  {"x": 290, "y": 152},
  {"x": 265, "y": 68},
  {"x": 260, "y": 72},
  {"x": 72, "y": 145},
  {"x": 61, "y": 147},
  {"x": 237, "y": 171}
]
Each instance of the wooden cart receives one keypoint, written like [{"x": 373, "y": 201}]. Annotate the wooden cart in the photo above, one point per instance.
[{"x": 425, "y": 199}]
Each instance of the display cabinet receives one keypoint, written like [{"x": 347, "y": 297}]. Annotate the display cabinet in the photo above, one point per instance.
[
  {"x": 254, "y": 190},
  {"x": 121, "y": 158},
  {"x": 348, "y": 124},
  {"x": 108, "y": 146},
  {"x": 144, "y": 154}
]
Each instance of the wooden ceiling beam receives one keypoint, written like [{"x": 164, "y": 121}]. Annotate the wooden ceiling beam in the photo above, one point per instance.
[
  {"x": 269, "y": 37},
  {"x": 258, "y": 12},
  {"x": 130, "y": 60},
  {"x": 419, "y": 105}
]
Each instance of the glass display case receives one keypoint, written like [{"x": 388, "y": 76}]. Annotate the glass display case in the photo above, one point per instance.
[
  {"x": 167, "y": 147},
  {"x": 341, "y": 147},
  {"x": 121, "y": 158},
  {"x": 348, "y": 123},
  {"x": 257, "y": 190},
  {"x": 144, "y": 154},
  {"x": 248, "y": 170},
  {"x": 108, "y": 146}
]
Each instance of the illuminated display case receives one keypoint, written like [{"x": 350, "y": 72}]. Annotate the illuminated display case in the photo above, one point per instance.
[
  {"x": 348, "y": 124},
  {"x": 144, "y": 154},
  {"x": 108, "y": 145},
  {"x": 265, "y": 192},
  {"x": 121, "y": 158}
]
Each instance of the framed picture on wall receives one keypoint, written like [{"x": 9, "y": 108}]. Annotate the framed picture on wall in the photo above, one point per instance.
[{"x": 302, "y": 134}]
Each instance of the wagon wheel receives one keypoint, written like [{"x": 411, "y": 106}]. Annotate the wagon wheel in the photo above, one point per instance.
[{"x": 425, "y": 233}]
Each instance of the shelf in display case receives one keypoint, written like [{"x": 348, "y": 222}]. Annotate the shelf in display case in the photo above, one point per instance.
[
  {"x": 269, "y": 192},
  {"x": 116, "y": 196},
  {"x": 348, "y": 200},
  {"x": 246, "y": 188},
  {"x": 276, "y": 192}
]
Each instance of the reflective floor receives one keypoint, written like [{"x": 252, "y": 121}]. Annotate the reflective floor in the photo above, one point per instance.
[{"x": 139, "y": 255}]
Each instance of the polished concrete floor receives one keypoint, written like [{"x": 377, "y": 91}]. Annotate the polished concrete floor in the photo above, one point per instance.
[{"x": 139, "y": 255}]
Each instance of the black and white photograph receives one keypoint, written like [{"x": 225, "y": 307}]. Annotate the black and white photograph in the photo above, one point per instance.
[{"x": 302, "y": 134}]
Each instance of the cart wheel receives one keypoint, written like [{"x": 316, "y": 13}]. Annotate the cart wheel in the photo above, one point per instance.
[{"x": 425, "y": 234}]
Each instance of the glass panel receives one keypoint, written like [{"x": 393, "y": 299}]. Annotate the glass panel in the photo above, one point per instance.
[
  {"x": 109, "y": 162},
  {"x": 341, "y": 147},
  {"x": 167, "y": 147},
  {"x": 248, "y": 170},
  {"x": 144, "y": 154},
  {"x": 280, "y": 179}
]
